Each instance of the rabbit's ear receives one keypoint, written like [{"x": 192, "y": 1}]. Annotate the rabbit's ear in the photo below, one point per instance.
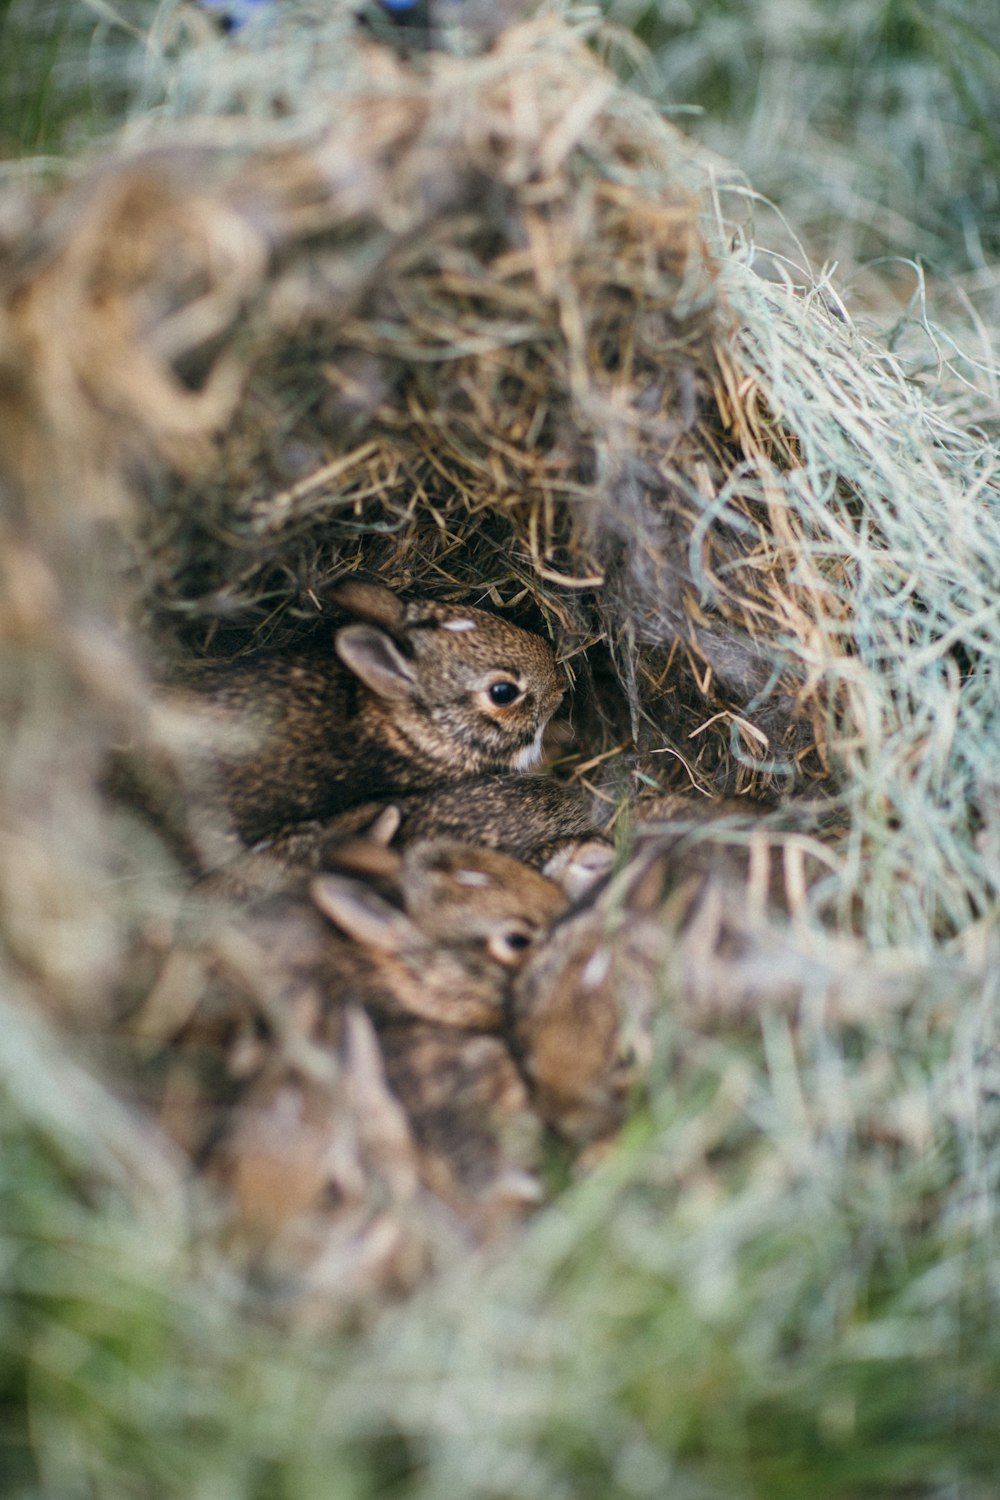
[
  {"x": 367, "y": 852},
  {"x": 377, "y": 660},
  {"x": 362, "y": 914},
  {"x": 369, "y": 601},
  {"x": 362, "y": 857},
  {"x": 385, "y": 826}
]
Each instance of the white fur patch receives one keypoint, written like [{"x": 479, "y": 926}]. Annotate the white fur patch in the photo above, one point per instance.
[
  {"x": 471, "y": 877},
  {"x": 596, "y": 970},
  {"x": 458, "y": 624},
  {"x": 529, "y": 756}
]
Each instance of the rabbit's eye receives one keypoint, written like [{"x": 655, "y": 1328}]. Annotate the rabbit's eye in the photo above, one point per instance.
[
  {"x": 504, "y": 693},
  {"x": 508, "y": 947}
]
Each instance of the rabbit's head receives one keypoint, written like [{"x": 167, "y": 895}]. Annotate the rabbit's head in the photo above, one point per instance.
[
  {"x": 461, "y": 687},
  {"x": 461, "y": 895},
  {"x": 463, "y": 920},
  {"x": 581, "y": 1016}
]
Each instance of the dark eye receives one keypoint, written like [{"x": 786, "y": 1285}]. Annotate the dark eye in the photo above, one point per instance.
[
  {"x": 504, "y": 693},
  {"x": 506, "y": 947}
]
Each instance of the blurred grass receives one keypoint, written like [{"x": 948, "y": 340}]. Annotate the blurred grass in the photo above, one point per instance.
[
  {"x": 876, "y": 127},
  {"x": 68, "y": 69},
  {"x": 781, "y": 1284}
]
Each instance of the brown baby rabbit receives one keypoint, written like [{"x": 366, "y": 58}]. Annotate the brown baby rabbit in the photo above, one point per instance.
[
  {"x": 408, "y": 694},
  {"x": 535, "y": 819},
  {"x": 580, "y": 1018},
  {"x": 697, "y": 914},
  {"x": 439, "y": 977},
  {"x": 427, "y": 933},
  {"x": 466, "y": 1103},
  {"x": 429, "y": 953},
  {"x": 468, "y": 917}
]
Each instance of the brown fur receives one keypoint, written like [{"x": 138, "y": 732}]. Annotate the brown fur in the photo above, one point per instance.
[
  {"x": 696, "y": 916},
  {"x": 430, "y": 963},
  {"x": 575, "y": 1038},
  {"x": 396, "y": 703},
  {"x": 528, "y": 817},
  {"x": 468, "y": 1107}
]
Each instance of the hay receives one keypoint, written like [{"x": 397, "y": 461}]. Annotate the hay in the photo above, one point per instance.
[
  {"x": 479, "y": 326},
  {"x": 509, "y": 367},
  {"x": 470, "y": 327}
]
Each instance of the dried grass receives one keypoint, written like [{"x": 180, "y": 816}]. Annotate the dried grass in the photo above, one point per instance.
[
  {"x": 479, "y": 326},
  {"x": 470, "y": 324}
]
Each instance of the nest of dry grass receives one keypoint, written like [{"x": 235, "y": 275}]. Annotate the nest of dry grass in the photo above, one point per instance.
[
  {"x": 465, "y": 333},
  {"x": 480, "y": 327},
  {"x": 477, "y": 326}
]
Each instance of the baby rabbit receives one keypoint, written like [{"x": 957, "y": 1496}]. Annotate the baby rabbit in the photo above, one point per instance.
[
  {"x": 406, "y": 695},
  {"x": 428, "y": 933},
  {"x": 468, "y": 917},
  {"x": 580, "y": 1019},
  {"x": 285, "y": 1011},
  {"x": 417, "y": 1104},
  {"x": 532, "y": 818},
  {"x": 440, "y": 974},
  {"x": 696, "y": 915},
  {"x": 467, "y": 1105}
]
